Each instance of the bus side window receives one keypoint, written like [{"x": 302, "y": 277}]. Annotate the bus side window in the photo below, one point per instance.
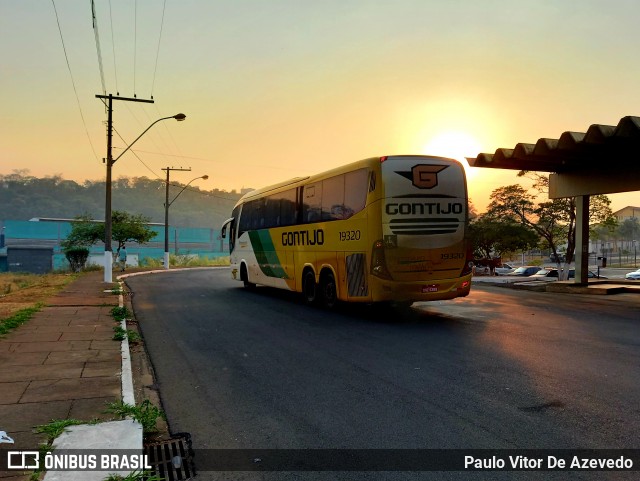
[
  {"x": 272, "y": 211},
  {"x": 356, "y": 185},
  {"x": 245, "y": 219},
  {"x": 333, "y": 198},
  {"x": 257, "y": 214},
  {"x": 288, "y": 214},
  {"x": 312, "y": 206}
]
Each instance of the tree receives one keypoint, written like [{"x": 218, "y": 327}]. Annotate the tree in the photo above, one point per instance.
[
  {"x": 491, "y": 236},
  {"x": 554, "y": 221},
  {"x": 125, "y": 228},
  {"x": 84, "y": 233},
  {"x": 629, "y": 229},
  {"x": 130, "y": 228}
]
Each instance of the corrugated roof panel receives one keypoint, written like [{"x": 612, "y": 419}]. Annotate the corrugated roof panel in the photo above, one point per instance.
[{"x": 573, "y": 151}]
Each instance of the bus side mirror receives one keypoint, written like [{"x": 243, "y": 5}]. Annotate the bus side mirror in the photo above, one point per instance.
[{"x": 223, "y": 231}]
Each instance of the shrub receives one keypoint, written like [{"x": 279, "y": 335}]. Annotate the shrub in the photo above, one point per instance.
[{"x": 77, "y": 257}]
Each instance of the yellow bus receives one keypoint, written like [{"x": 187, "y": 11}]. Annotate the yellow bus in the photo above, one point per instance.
[{"x": 382, "y": 229}]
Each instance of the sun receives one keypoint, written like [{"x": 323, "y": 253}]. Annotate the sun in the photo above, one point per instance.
[{"x": 454, "y": 144}]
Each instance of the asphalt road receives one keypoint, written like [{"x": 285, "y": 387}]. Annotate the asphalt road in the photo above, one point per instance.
[{"x": 500, "y": 369}]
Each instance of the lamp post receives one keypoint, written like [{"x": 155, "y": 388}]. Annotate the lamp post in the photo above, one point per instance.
[
  {"x": 167, "y": 204},
  {"x": 108, "y": 254}
]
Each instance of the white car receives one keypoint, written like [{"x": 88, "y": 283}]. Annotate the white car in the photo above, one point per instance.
[
  {"x": 633, "y": 276},
  {"x": 504, "y": 270}
]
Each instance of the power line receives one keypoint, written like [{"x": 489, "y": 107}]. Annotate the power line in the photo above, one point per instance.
[
  {"x": 113, "y": 48},
  {"x": 73, "y": 83},
  {"x": 97, "y": 37},
  {"x": 137, "y": 157},
  {"x": 135, "y": 42},
  {"x": 153, "y": 83},
  {"x": 271, "y": 167}
]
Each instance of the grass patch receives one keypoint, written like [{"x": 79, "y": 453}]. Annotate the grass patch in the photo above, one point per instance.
[
  {"x": 135, "y": 476},
  {"x": 145, "y": 413},
  {"x": 122, "y": 334},
  {"x": 121, "y": 313},
  {"x": 186, "y": 260},
  {"x": 18, "y": 318},
  {"x": 56, "y": 427}
]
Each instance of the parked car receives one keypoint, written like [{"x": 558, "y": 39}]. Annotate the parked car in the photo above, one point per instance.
[
  {"x": 525, "y": 271},
  {"x": 558, "y": 258},
  {"x": 549, "y": 273},
  {"x": 546, "y": 274},
  {"x": 633, "y": 276},
  {"x": 504, "y": 270}
]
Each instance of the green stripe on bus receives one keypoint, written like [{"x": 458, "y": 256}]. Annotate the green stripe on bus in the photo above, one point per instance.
[{"x": 266, "y": 254}]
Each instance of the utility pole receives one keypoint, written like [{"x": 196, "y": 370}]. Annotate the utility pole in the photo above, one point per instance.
[
  {"x": 108, "y": 254},
  {"x": 166, "y": 214}
]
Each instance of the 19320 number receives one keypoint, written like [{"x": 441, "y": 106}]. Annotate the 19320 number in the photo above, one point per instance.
[{"x": 349, "y": 235}]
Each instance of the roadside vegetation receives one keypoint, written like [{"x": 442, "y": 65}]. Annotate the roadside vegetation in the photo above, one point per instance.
[
  {"x": 22, "y": 295},
  {"x": 186, "y": 260}
]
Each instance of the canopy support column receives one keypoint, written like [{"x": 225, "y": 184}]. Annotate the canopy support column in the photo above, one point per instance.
[{"x": 582, "y": 239}]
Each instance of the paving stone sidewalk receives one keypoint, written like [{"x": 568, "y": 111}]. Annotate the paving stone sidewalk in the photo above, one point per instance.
[{"x": 62, "y": 363}]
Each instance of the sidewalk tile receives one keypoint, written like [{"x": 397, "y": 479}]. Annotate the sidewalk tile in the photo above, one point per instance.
[
  {"x": 17, "y": 417},
  {"x": 24, "y": 336},
  {"x": 105, "y": 368},
  {"x": 22, "y": 358},
  {"x": 86, "y": 356},
  {"x": 62, "y": 329},
  {"x": 49, "y": 346},
  {"x": 81, "y": 336},
  {"x": 39, "y": 391},
  {"x": 10, "y": 392},
  {"x": 42, "y": 372},
  {"x": 27, "y": 439},
  {"x": 94, "y": 408},
  {"x": 109, "y": 345},
  {"x": 49, "y": 321}
]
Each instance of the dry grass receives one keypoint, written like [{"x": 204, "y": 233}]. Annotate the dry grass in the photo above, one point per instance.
[{"x": 21, "y": 291}]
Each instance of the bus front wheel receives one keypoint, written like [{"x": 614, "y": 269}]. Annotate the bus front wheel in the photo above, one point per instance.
[
  {"x": 244, "y": 276},
  {"x": 328, "y": 290},
  {"x": 309, "y": 288}
]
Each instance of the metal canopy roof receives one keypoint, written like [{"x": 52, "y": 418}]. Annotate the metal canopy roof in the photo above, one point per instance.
[{"x": 573, "y": 151}]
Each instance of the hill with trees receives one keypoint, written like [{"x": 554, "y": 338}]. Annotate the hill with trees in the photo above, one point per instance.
[{"x": 23, "y": 197}]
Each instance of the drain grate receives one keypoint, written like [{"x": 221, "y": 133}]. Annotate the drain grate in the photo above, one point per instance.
[{"x": 172, "y": 459}]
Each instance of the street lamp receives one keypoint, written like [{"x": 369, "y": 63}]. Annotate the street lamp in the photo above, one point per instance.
[
  {"x": 108, "y": 253},
  {"x": 167, "y": 204}
]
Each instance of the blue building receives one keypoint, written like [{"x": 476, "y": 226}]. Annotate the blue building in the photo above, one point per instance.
[{"x": 40, "y": 235}]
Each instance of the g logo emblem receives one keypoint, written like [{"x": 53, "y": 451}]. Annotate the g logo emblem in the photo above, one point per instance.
[{"x": 426, "y": 176}]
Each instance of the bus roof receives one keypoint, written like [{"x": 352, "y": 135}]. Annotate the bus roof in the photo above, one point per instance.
[{"x": 326, "y": 174}]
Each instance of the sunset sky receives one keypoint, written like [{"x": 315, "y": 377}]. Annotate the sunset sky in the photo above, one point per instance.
[{"x": 282, "y": 88}]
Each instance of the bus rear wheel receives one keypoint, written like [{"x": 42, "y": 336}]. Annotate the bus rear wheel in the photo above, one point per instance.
[
  {"x": 309, "y": 287},
  {"x": 328, "y": 290}
]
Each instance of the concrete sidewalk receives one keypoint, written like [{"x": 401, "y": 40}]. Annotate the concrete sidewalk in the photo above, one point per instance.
[{"x": 61, "y": 364}]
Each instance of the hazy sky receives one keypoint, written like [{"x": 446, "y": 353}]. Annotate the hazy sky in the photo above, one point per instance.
[{"x": 276, "y": 89}]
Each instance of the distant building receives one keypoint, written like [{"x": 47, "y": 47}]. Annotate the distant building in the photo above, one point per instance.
[
  {"x": 24, "y": 244},
  {"x": 627, "y": 213},
  {"x": 617, "y": 248}
]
